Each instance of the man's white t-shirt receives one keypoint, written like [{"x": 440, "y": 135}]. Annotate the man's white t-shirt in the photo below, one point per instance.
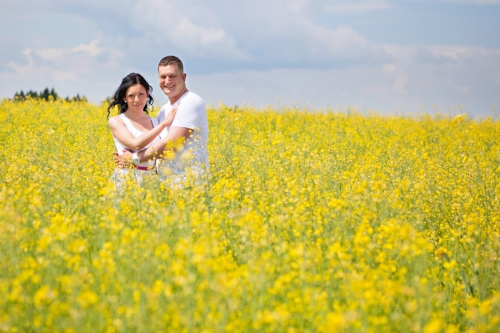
[{"x": 191, "y": 114}]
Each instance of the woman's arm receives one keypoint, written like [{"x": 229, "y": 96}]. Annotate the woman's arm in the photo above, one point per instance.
[
  {"x": 176, "y": 137},
  {"x": 121, "y": 132}
]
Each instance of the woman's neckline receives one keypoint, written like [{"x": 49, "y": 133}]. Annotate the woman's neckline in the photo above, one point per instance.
[{"x": 143, "y": 116}]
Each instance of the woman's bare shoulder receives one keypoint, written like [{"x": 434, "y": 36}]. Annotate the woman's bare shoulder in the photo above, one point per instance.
[{"x": 115, "y": 120}]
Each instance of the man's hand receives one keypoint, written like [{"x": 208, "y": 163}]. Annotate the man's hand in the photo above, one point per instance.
[{"x": 124, "y": 160}]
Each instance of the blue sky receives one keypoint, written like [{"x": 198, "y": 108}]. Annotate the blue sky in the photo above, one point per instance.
[{"x": 382, "y": 55}]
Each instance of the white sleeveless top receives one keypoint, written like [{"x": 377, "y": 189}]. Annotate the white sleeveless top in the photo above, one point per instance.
[{"x": 136, "y": 133}]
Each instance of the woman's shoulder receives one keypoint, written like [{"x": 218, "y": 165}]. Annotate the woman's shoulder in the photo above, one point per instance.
[{"x": 116, "y": 120}]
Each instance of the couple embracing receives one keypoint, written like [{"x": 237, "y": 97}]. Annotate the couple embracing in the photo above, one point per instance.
[{"x": 172, "y": 145}]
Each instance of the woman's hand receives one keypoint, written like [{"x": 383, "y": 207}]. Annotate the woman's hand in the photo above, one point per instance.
[
  {"x": 170, "y": 116},
  {"x": 124, "y": 160}
]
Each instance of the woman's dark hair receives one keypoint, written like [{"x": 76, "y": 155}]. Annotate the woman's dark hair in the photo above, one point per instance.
[{"x": 127, "y": 82}]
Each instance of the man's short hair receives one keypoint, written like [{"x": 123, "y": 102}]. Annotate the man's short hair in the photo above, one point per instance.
[{"x": 172, "y": 60}]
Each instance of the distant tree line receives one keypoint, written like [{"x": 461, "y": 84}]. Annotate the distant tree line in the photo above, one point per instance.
[{"x": 46, "y": 94}]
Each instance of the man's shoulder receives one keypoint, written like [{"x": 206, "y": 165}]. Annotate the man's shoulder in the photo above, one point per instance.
[
  {"x": 192, "y": 97},
  {"x": 165, "y": 107},
  {"x": 163, "y": 110}
]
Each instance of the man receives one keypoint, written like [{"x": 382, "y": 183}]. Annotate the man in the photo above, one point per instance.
[{"x": 183, "y": 145}]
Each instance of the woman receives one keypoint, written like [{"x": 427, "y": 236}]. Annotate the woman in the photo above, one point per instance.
[{"x": 133, "y": 128}]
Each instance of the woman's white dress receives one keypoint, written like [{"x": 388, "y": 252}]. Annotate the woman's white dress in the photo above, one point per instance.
[{"x": 121, "y": 175}]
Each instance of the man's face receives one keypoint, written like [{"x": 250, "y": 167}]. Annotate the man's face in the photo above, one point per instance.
[{"x": 172, "y": 81}]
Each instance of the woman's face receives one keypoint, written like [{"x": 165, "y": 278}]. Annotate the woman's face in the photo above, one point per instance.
[{"x": 136, "y": 97}]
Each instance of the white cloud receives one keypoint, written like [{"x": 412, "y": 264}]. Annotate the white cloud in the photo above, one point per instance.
[
  {"x": 23, "y": 69},
  {"x": 389, "y": 68},
  {"x": 84, "y": 69},
  {"x": 481, "y": 2},
  {"x": 284, "y": 34},
  {"x": 298, "y": 6},
  {"x": 171, "y": 23},
  {"x": 249, "y": 52},
  {"x": 91, "y": 49},
  {"x": 459, "y": 54},
  {"x": 344, "y": 7},
  {"x": 257, "y": 34},
  {"x": 404, "y": 85},
  {"x": 77, "y": 57},
  {"x": 51, "y": 54}
]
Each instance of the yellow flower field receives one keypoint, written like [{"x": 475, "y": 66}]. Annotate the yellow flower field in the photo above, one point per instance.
[{"x": 311, "y": 222}]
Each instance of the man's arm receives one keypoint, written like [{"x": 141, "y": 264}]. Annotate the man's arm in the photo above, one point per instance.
[{"x": 176, "y": 136}]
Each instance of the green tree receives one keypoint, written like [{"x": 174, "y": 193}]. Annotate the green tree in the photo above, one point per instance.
[
  {"x": 32, "y": 94},
  {"x": 53, "y": 93},
  {"x": 45, "y": 94}
]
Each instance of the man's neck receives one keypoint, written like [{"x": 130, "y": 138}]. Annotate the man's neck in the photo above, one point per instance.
[{"x": 176, "y": 98}]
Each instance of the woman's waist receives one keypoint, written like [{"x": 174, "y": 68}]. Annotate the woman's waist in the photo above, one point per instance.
[{"x": 141, "y": 167}]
